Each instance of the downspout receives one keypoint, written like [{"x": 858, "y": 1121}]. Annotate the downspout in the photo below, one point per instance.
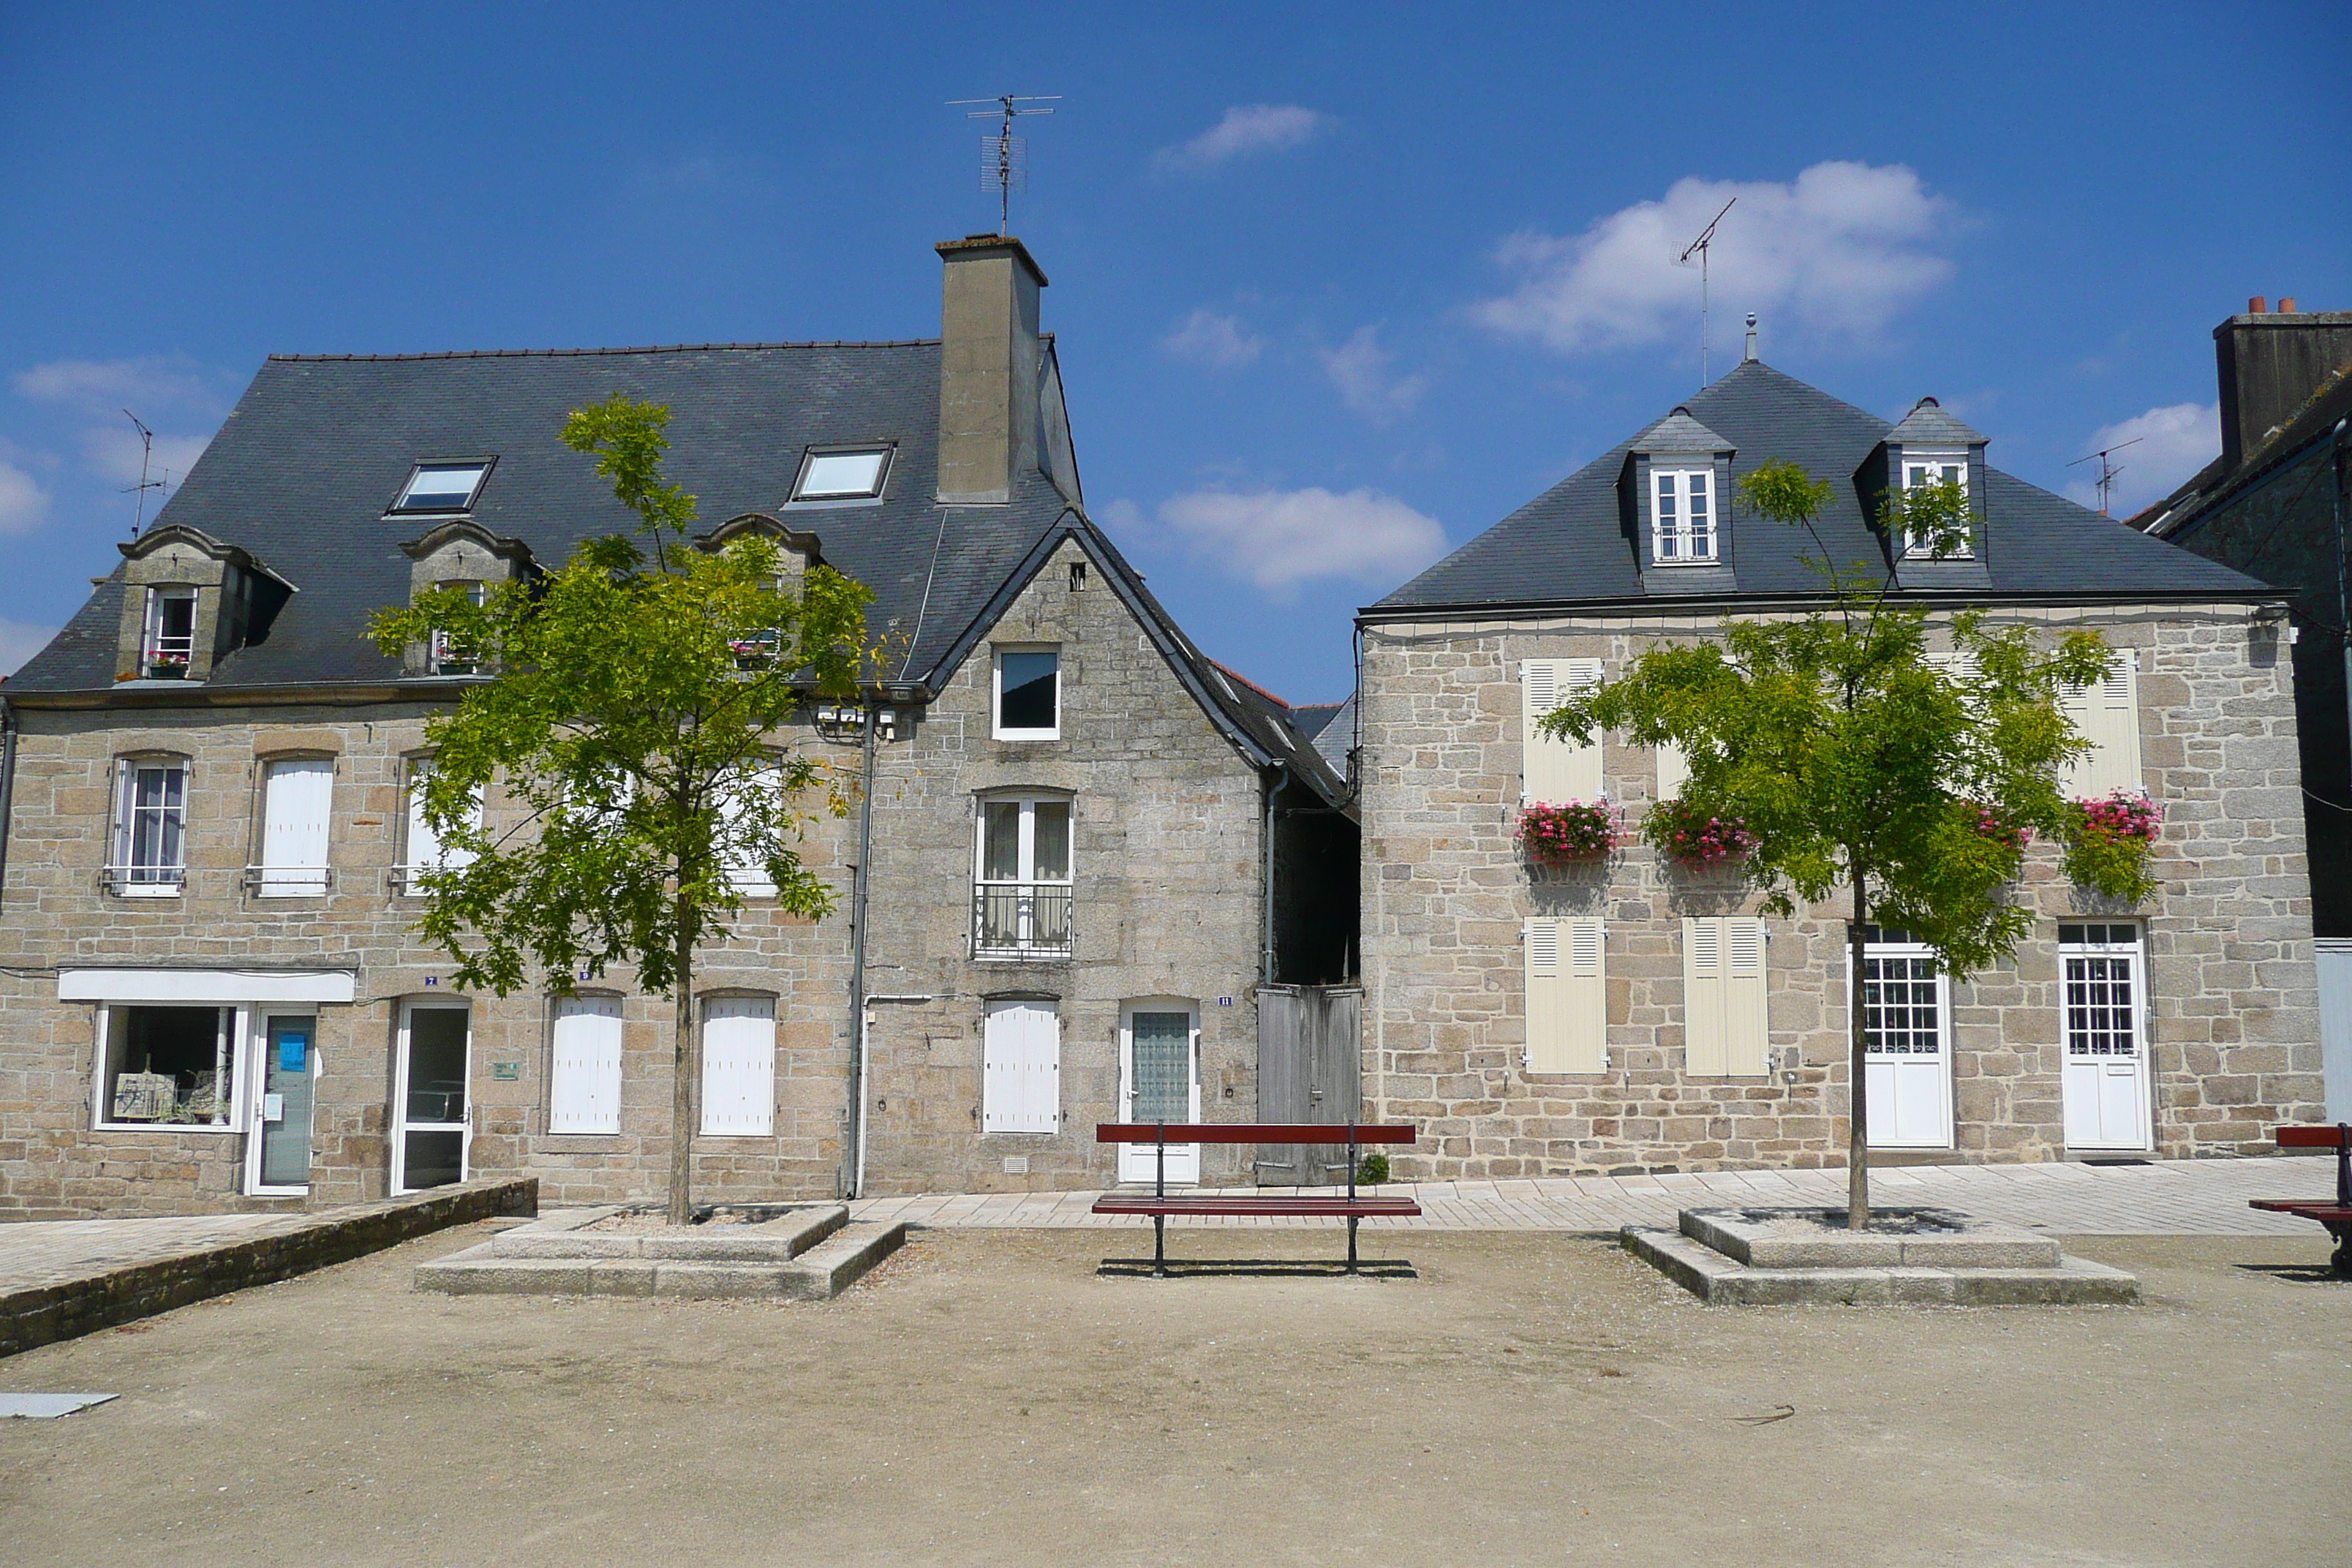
[
  {"x": 8, "y": 788},
  {"x": 857, "y": 1033},
  {"x": 1265, "y": 949},
  {"x": 2343, "y": 593}
]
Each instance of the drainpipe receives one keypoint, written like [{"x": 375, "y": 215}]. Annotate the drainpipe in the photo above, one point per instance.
[
  {"x": 2343, "y": 595},
  {"x": 8, "y": 788},
  {"x": 858, "y": 969},
  {"x": 1266, "y": 950}
]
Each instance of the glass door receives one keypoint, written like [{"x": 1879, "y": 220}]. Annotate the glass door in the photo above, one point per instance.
[
  {"x": 277, "y": 1151},
  {"x": 433, "y": 1129},
  {"x": 1162, "y": 1081}
]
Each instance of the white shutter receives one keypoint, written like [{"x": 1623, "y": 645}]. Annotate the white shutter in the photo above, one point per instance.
[
  {"x": 298, "y": 795},
  {"x": 1547, "y": 998},
  {"x": 584, "y": 1088},
  {"x": 2107, "y": 715},
  {"x": 1567, "y": 995},
  {"x": 1021, "y": 1068},
  {"x": 1746, "y": 1018},
  {"x": 1703, "y": 1037},
  {"x": 425, "y": 851},
  {"x": 738, "y": 1068},
  {"x": 749, "y": 873},
  {"x": 1554, "y": 770},
  {"x": 1674, "y": 770}
]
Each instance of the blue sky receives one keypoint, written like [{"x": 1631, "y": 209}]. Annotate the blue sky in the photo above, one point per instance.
[{"x": 1336, "y": 287}]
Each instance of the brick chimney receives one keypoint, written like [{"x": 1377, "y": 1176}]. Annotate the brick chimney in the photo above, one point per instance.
[
  {"x": 2269, "y": 363},
  {"x": 988, "y": 368}
]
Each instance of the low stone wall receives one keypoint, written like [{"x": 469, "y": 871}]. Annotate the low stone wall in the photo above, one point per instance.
[{"x": 63, "y": 1310}]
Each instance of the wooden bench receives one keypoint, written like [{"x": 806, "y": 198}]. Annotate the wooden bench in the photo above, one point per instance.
[
  {"x": 1160, "y": 1205},
  {"x": 2337, "y": 1215}
]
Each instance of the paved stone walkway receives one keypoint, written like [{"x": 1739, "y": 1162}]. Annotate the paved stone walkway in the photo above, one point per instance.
[
  {"x": 2179, "y": 1197},
  {"x": 51, "y": 1252}
]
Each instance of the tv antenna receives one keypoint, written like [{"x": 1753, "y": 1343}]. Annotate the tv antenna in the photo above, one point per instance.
[
  {"x": 1699, "y": 247},
  {"x": 2107, "y": 471},
  {"x": 146, "y": 455},
  {"x": 1004, "y": 157}
]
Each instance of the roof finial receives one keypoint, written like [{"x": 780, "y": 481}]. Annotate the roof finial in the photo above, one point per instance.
[{"x": 1750, "y": 357}]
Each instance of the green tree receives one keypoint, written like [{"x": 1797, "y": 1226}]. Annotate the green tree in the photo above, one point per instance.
[
  {"x": 629, "y": 714},
  {"x": 1858, "y": 760}
]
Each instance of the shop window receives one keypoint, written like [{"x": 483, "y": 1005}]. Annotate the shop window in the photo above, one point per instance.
[{"x": 167, "y": 1067}]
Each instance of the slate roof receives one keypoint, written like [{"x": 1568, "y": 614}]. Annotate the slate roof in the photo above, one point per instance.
[
  {"x": 303, "y": 468},
  {"x": 1573, "y": 544}
]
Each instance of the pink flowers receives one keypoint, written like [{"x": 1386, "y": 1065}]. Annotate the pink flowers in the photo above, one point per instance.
[
  {"x": 1578, "y": 830},
  {"x": 2121, "y": 816},
  {"x": 1989, "y": 825},
  {"x": 1698, "y": 840}
]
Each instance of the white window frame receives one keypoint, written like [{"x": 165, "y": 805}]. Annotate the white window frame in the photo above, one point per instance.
[
  {"x": 406, "y": 875},
  {"x": 234, "y": 1020},
  {"x": 400, "y": 1124},
  {"x": 1029, "y": 943},
  {"x": 996, "y": 727},
  {"x": 258, "y": 1020},
  {"x": 270, "y": 879},
  {"x": 1876, "y": 951},
  {"x": 161, "y": 880},
  {"x": 810, "y": 457},
  {"x": 2136, "y": 950},
  {"x": 1678, "y": 545},
  {"x": 152, "y": 639},
  {"x": 438, "y": 649},
  {"x": 749, "y": 877},
  {"x": 1139, "y": 1162},
  {"x": 1930, "y": 468},
  {"x": 482, "y": 467}
]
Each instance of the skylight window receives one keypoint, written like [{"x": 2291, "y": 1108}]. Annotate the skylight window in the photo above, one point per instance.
[
  {"x": 843, "y": 475},
  {"x": 442, "y": 487}
]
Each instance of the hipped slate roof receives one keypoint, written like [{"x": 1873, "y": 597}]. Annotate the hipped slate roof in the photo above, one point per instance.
[
  {"x": 1573, "y": 544},
  {"x": 301, "y": 471}
]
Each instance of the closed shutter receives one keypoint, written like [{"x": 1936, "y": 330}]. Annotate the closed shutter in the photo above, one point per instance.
[
  {"x": 2106, "y": 714},
  {"x": 1021, "y": 1068},
  {"x": 1702, "y": 1038},
  {"x": 1674, "y": 770},
  {"x": 1747, "y": 1014},
  {"x": 748, "y": 872},
  {"x": 584, "y": 1088},
  {"x": 425, "y": 852},
  {"x": 298, "y": 795},
  {"x": 1553, "y": 770},
  {"x": 738, "y": 1068}
]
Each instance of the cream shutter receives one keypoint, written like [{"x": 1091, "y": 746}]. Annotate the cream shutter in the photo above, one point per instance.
[
  {"x": 583, "y": 1089},
  {"x": 2107, "y": 715},
  {"x": 1674, "y": 770},
  {"x": 1554, "y": 771},
  {"x": 738, "y": 1068},
  {"x": 1747, "y": 1022},
  {"x": 747, "y": 872},
  {"x": 1567, "y": 995},
  {"x": 297, "y": 798},
  {"x": 1021, "y": 1068},
  {"x": 1704, "y": 1053},
  {"x": 424, "y": 850}
]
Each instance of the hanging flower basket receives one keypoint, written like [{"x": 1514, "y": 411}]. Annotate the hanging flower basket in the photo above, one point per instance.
[
  {"x": 1566, "y": 833},
  {"x": 1698, "y": 840},
  {"x": 1985, "y": 822},
  {"x": 2108, "y": 844}
]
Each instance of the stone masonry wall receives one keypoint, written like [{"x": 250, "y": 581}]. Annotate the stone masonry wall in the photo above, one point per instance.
[{"x": 2235, "y": 1026}]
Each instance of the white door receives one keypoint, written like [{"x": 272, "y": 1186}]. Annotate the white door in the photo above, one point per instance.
[
  {"x": 432, "y": 1130},
  {"x": 739, "y": 1067},
  {"x": 1021, "y": 1068},
  {"x": 277, "y": 1148},
  {"x": 2106, "y": 1084},
  {"x": 1159, "y": 1080},
  {"x": 1907, "y": 1066}
]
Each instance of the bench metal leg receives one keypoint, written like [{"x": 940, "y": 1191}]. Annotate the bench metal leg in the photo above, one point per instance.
[
  {"x": 1351, "y": 1244},
  {"x": 2341, "y": 1262},
  {"x": 1159, "y": 1247}
]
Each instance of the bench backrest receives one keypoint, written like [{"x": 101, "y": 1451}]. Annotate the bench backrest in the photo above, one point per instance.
[
  {"x": 1255, "y": 1133},
  {"x": 2336, "y": 1137}
]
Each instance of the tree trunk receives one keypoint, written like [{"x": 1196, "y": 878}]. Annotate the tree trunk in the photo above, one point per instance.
[
  {"x": 1857, "y": 1186},
  {"x": 682, "y": 1117}
]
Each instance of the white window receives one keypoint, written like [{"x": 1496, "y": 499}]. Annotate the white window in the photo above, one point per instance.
[
  {"x": 1682, "y": 517},
  {"x": 444, "y": 656},
  {"x": 1554, "y": 770},
  {"x": 583, "y": 1084},
  {"x": 442, "y": 487},
  {"x": 742, "y": 848},
  {"x": 424, "y": 849},
  {"x": 1726, "y": 1030},
  {"x": 1674, "y": 770},
  {"x": 1568, "y": 994},
  {"x": 150, "y": 858},
  {"x": 297, "y": 804},
  {"x": 169, "y": 641},
  {"x": 2106, "y": 714},
  {"x": 842, "y": 476},
  {"x": 739, "y": 1067},
  {"x": 1028, "y": 697},
  {"x": 167, "y": 1067},
  {"x": 1021, "y": 896},
  {"x": 1920, "y": 468},
  {"x": 1021, "y": 1068}
]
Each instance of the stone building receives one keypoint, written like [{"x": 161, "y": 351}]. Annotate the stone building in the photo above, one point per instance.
[
  {"x": 1089, "y": 845},
  {"x": 1628, "y": 1015}
]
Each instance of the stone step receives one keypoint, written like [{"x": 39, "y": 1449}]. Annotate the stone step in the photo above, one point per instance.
[
  {"x": 834, "y": 1266},
  {"x": 778, "y": 1240},
  {"x": 819, "y": 1273},
  {"x": 1720, "y": 1280}
]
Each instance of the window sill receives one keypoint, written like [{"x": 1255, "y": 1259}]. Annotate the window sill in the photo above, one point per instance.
[
  {"x": 1026, "y": 955},
  {"x": 1668, "y": 563},
  {"x": 1025, "y": 736},
  {"x": 213, "y": 1129}
]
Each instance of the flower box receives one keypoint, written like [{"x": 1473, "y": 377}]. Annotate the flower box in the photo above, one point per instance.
[
  {"x": 2109, "y": 842},
  {"x": 1698, "y": 840},
  {"x": 1564, "y": 834}
]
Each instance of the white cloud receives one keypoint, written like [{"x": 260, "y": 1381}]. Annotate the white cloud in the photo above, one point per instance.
[
  {"x": 20, "y": 640},
  {"x": 1361, "y": 369},
  {"x": 1246, "y": 129},
  {"x": 23, "y": 503},
  {"x": 1207, "y": 338},
  {"x": 1838, "y": 251},
  {"x": 103, "y": 386},
  {"x": 2174, "y": 442},
  {"x": 116, "y": 455},
  {"x": 1279, "y": 539}
]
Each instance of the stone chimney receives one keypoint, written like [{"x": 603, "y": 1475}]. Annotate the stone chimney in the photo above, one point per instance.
[
  {"x": 2269, "y": 363},
  {"x": 988, "y": 368}
]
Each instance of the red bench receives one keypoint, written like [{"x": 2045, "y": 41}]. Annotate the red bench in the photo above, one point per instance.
[
  {"x": 2337, "y": 1215},
  {"x": 1160, "y": 1206}
]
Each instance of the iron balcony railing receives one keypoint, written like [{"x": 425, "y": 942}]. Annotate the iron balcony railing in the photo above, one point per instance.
[
  {"x": 134, "y": 880},
  {"x": 288, "y": 880},
  {"x": 1020, "y": 919}
]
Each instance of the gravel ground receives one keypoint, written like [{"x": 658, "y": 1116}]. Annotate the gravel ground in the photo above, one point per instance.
[{"x": 991, "y": 1396}]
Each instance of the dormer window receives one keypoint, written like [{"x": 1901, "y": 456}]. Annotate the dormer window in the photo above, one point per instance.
[
  {"x": 442, "y": 488},
  {"x": 447, "y": 656},
  {"x": 170, "y": 642},
  {"x": 1682, "y": 516},
  {"x": 853, "y": 474},
  {"x": 1921, "y": 470}
]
